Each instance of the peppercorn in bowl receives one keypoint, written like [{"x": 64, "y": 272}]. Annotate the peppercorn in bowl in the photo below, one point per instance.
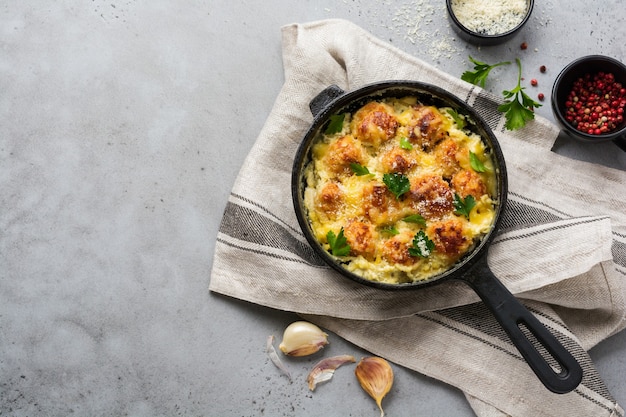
[
  {"x": 484, "y": 22},
  {"x": 589, "y": 100}
]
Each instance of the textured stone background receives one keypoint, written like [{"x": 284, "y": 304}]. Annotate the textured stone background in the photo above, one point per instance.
[{"x": 123, "y": 126}]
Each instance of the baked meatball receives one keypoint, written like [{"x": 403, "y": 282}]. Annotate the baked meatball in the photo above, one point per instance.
[
  {"x": 379, "y": 204},
  {"x": 374, "y": 123},
  {"x": 428, "y": 127},
  {"x": 447, "y": 157},
  {"x": 431, "y": 196},
  {"x": 467, "y": 182},
  {"x": 361, "y": 238},
  {"x": 330, "y": 200},
  {"x": 449, "y": 237},
  {"x": 398, "y": 160},
  {"x": 396, "y": 249},
  {"x": 343, "y": 152}
]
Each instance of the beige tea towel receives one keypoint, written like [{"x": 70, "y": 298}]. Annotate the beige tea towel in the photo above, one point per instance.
[{"x": 562, "y": 249}]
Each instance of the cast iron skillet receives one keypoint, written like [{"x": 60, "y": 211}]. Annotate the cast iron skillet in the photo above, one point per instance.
[{"x": 521, "y": 325}]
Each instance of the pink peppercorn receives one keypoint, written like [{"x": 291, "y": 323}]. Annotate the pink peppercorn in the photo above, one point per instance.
[{"x": 595, "y": 104}]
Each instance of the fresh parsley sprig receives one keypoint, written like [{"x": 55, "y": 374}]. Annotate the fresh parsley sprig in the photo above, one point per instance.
[
  {"x": 415, "y": 218},
  {"x": 463, "y": 206},
  {"x": 480, "y": 73},
  {"x": 338, "y": 243},
  {"x": 458, "y": 119},
  {"x": 359, "y": 169},
  {"x": 518, "y": 107},
  {"x": 390, "y": 230},
  {"x": 476, "y": 164},
  {"x": 422, "y": 246},
  {"x": 335, "y": 125},
  {"x": 397, "y": 183},
  {"x": 405, "y": 143}
]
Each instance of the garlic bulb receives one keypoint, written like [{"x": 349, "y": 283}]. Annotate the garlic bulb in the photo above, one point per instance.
[
  {"x": 302, "y": 338},
  {"x": 324, "y": 369},
  {"x": 376, "y": 378}
]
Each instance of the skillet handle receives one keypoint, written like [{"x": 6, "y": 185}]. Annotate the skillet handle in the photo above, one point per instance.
[
  {"x": 324, "y": 98},
  {"x": 511, "y": 314}
]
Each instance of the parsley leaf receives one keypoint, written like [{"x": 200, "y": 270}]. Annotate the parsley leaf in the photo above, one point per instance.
[
  {"x": 480, "y": 73},
  {"x": 476, "y": 163},
  {"x": 405, "y": 144},
  {"x": 516, "y": 114},
  {"x": 359, "y": 169},
  {"x": 415, "y": 218},
  {"x": 458, "y": 119},
  {"x": 391, "y": 230},
  {"x": 518, "y": 107},
  {"x": 338, "y": 244},
  {"x": 422, "y": 245},
  {"x": 463, "y": 207},
  {"x": 335, "y": 125},
  {"x": 397, "y": 183}
]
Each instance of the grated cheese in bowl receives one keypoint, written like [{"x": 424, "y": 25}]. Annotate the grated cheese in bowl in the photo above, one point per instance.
[{"x": 490, "y": 17}]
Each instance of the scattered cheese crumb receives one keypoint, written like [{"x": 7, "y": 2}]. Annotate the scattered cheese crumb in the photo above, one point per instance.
[{"x": 414, "y": 18}]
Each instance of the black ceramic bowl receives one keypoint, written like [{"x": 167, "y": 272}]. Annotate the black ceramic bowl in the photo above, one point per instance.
[
  {"x": 485, "y": 37},
  {"x": 563, "y": 84}
]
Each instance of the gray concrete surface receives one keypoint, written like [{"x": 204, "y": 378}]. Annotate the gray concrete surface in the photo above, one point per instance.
[{"x": 123, "y": 126}]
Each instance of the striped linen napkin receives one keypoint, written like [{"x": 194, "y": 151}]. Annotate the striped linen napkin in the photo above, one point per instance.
[{"x": 562, "y": 248}]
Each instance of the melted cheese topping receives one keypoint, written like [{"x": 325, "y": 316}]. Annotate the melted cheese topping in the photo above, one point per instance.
[{"x": 423, "y": 144}]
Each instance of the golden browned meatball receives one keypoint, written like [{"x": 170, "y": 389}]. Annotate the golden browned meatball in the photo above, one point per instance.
[
  {"x": 343, "y": 152},
  {"x": 361, "y": 238},
  {"x": 428, "y": 127},
  {"x": 449, "y": 237},
  {"x": 446, "y": 156},
  {"x": 467, "y": 182},
  {"x": 396, "y": 249},
  {"x": 330, "y": 199},
  {"x": 374, "y": 123},
  {"x": 398, "y": 160},
  {"x": 431, "y": 196},
  {"x": 379, "y": 204}
]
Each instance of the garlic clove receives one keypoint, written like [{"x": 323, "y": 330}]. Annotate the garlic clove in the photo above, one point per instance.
[
  {"x": 302, "y": 338},
  {"x": 376, "y": 378},
  {"x": 324, "y": 369}
]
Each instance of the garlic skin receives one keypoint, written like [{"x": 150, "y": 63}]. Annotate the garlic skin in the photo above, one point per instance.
[
  {"x": 324, "y": 369},
  {"x": 376, "y": 378},
  {"x": 271, "y": 352},
  {"x": 302, "y": 338}
]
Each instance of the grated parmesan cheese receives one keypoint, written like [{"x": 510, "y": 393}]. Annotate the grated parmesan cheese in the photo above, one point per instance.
[{"x": 489, "y": 17}]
